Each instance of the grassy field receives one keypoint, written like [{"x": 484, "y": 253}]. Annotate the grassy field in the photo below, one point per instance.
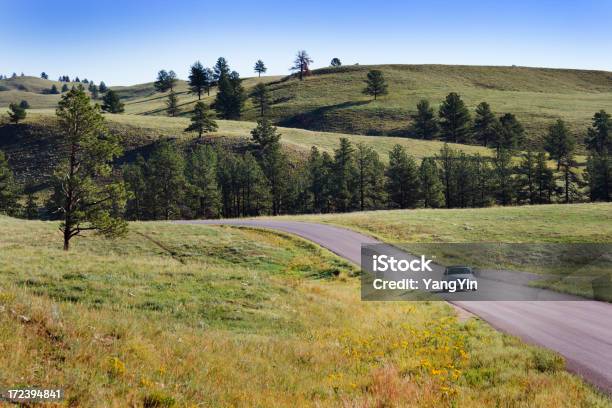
[
  {"x": 176, "y": 315},
  {"x": 331, "y": 99},
  {"x": 562, "y": 224}
]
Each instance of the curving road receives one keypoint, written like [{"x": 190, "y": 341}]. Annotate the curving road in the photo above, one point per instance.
[{"x": 581, "y": 331}]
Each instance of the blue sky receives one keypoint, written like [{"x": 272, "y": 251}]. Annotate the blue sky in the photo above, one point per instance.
[{"x": 128, "y": 42}]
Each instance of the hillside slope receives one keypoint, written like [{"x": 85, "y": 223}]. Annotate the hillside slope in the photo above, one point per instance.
[
  {"x": 331, "y": 99},
  {"x": 32, "y": 145}
]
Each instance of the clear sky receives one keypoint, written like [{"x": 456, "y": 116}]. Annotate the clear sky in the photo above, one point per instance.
[{"x": 127, "y": 42}]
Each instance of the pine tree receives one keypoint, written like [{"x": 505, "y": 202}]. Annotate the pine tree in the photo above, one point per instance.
[
  {"x": 425, "y": 124},
  {"x": 319, "y": 170},
  {"x": 208, "y": 80},
  {"x": 375, "y": 84},
  {"x": 402, "y": 179},
  {"x": 570, "y": 179},
  {"x": 64, "y": 88},
  {"x": 273, "y": 161},
  {"x": 503, "y": 177},
  {"x": 53, "y": 90},
  {"x": 482, "y": 177},
  {"x": 202, "y": 180},
  {"x": 454, "y": 119},
  {"x": 430, "y": 184},
  {"x": 24, "y": 104},
  {"x": 230, "y": 97},
  {"x": 598, "y": 137},
  {"x": 301, "y": 64},
  {"x": 344, "y": 177},
  {"x": 8, "y": 188},
  {"x": 202, "y": 120},
  {"x": 31, "y": 207},
  {"x": 172, "y": 104},
  {"x": 544, "y": 180},
  {"x": 16, "y": 113},
  {"x": 599, "y": 176},
  {"x": 166, "y": 81},
  {"x": 94, "y": 91},
  {"x": 197, "y": 79},
  {"x": 484, "y": 124},
  {"x": 509, "y": 133},
  {"x": 370, "y": 178},
  {"x": 102, "y": 88},
  {"x": 260, "y": 68},
  {"x": 166, "y": 180},
  {"x": 260, "y": 98},
  {"x": 84, "y": 201},
  {"x": 526, "y": 178},
  {"x": 447, "y": 158},
  {"x": 43, "y": 75},
  {"x": 220, "y": 70},
  {"x": 335, "y": 62},
  {"x": 136, "y": 183},
  {"x": 111, "y": 102},
  {"x": 559, "y": 143}
]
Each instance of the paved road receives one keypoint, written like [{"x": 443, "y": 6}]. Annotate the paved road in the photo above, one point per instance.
[{"x": 579, "y": 330}]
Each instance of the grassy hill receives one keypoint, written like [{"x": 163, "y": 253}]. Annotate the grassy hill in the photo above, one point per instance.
[
  {"x": 32, "y": 145},
  {"x": 177, "y": 315},
  {"x": 331, "y": 99}
]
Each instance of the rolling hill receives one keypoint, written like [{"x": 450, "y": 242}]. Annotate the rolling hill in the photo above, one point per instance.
[{"x": 331, "y": 100}]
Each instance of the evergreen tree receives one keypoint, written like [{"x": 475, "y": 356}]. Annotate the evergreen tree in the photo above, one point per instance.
[
  {"x": 197, "y": 79},
  {"x": 484, "y": 124},
  {"x": 430, "y": 184},
  {"x": 84, "y": 199},
  {"x": 335, "y": 62},
  {"x": 482, "y": 176},
  {"x": 344, "y": 177},
  {"x": 136, "y": 182},
  {"x": 172, "y": 104},
  {"x": 598, "y": 137},
  {"x": 503, "y": 177},
  {"x": 509, "y": 133},
  {"x": 94, "y": 91},
  {"x": 64, "y": 88},
  {"x": 544, "y": 180},
  {"x": 8, "y": 188},
  {"x": 454, "y": 119},
  {"x": 24, "y": 104},
  {"x": 599, "y": 176},
  {"x": 402, "y": 179},
  {"x": 370, "y": 178},
  {"x": 559, "y": 143},
  {"x": 446, "y": 158},
  {"x": 221, "y": 69},
  {"x": 301, "y": 64},
  {"x": 375, "y": 84},
  {"x": 53, "y": 90},
  {"x": 319, "y": 171},
  {"x": 166, "y": 180},
  {"x": 31, "y": 207},
  {"x": 202, "y": 179},
  {"x": 425, "y": 124},
  {"x": 16, "y": 113},
  {"x": 77, "y": 79},
  {"x": 260, "y": 68},
  {"x": 570, "y": 179},
  {"x": 111, "y": 102},
  {"x": 43, "y": 75},
  {"x": 166, "y": 81},
  {"x": 260, "y": 98},
  {"x": 202, "y": 120},
  {"x": 102, "y": 88},
  {"x": 230, "y": 97},
  {"x": 464, "y": 180},
  {"x": 273, "y": 161},
  {"x": 208, "y": 80},
  {"x": 527, "y": 188}
]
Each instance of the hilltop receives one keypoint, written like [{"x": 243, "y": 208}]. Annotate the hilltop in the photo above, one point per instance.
[{"x": 331, "y": 100}]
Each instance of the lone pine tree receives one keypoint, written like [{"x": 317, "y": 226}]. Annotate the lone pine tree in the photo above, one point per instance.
[{"x": 84, "y": 194}]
